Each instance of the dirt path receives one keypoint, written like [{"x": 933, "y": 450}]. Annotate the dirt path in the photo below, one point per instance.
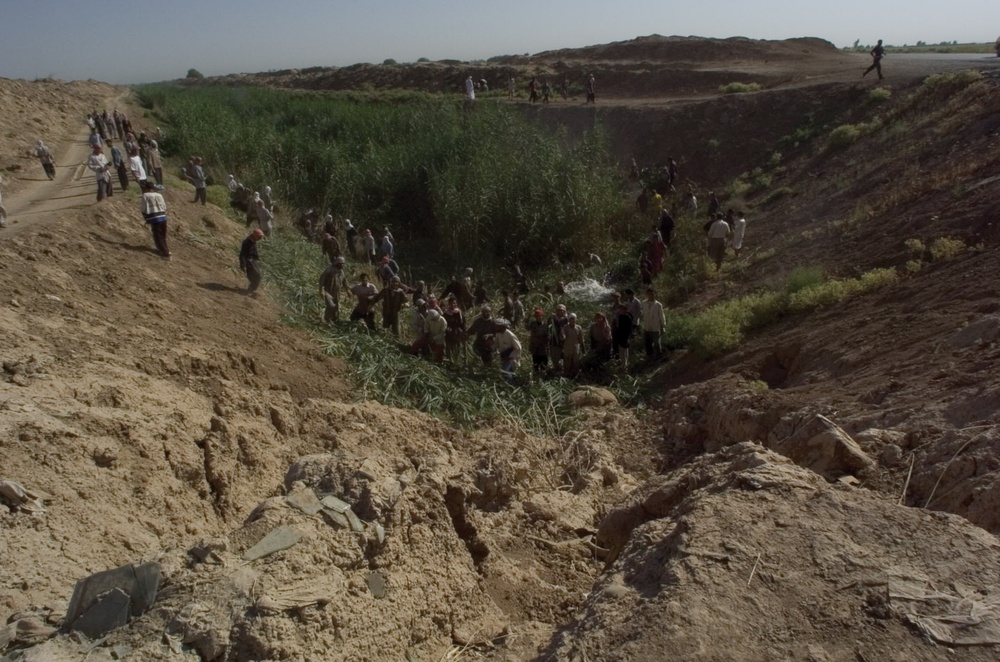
[{"x": 74, "y": 186}]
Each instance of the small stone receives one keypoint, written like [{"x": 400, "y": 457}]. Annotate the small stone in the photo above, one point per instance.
[
  {"x": 335, "y": 518},
  {"x": 277, "y": 540},
  {"x": 353, "y": 520},
  {"x": 367, "y": 470},
  {"x": 892, "y": 455},
  {"x": 305, "y": 500},
  {"x": 335, "y": 504},
  {"x": 376, "y": 584}
]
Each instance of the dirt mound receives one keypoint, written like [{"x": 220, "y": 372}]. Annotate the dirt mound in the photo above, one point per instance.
[
  {"x": 647, "y": 67},
  {"x": 657, "y": 48},
  {"x": 744, "y": 555}
]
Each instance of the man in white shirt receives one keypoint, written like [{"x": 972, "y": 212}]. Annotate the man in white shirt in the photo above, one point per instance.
[
  {"x": 154, "y": 212},
  {"x": 739, "y": 229},
  {"x": 653, "y": 322},
  {"x": 102, "y": 170},
  {"x": 718, "y": 232}
]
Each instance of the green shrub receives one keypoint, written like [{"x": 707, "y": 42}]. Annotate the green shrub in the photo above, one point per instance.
[
  {"x": 879, "y": 94},
  {"x": 777, "y": 194},
  {"x": 946, "y": 248},
  {"x": 835, "y": 291},
  {"x": 739, "y": 88},
  {"x": 915, "y": 246},
  {"x": 952, "y": 81},
  {"x": 844, "y": 136},
  {"x": 803, "y": 277}
]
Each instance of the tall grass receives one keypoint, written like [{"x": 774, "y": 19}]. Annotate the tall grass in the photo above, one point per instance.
[
  {"x": 488, "y": 186},
  {"x": 465, "y": 393}
]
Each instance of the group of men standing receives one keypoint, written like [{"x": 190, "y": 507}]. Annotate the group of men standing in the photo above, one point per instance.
[{"x": 444, "y": 327}]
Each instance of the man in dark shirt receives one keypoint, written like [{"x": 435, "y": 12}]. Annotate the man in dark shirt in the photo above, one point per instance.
[
  {"x": 250, "y": 261},
  {"x": 332, "y": 282},
  {"x": 877, "y": 54}
]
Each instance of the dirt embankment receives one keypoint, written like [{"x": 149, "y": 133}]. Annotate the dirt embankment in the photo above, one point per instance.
[{"x": 753, "y": 514}]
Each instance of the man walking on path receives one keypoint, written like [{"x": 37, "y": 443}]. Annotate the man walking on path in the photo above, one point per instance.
[
  {"x": 250, "y": 261},
  {"x": 99, "y": 164},
  {"x": 877, "y": 53},
  {"x": 653, "y": 322},
  {"x": 48, "y": 161},
  {"x": 154, "y": 212}
]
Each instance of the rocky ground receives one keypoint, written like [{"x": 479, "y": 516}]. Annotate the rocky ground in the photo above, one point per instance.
[{"x": 828, "y": 491}]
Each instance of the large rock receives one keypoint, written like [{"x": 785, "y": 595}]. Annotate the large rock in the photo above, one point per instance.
[
  {"x": 592, "y": 396},
  {"x": 106, "y": 600},
  {"x": 821, "y": 445}
]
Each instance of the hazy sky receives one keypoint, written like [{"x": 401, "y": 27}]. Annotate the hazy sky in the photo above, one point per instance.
[{"x": 139, "y": 41}]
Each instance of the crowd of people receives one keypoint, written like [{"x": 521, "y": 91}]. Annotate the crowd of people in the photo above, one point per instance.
[
  {"x": 461, "y": 320},
  {"x": 723, "y": 230},
  {"x": 543, "y": 90}
]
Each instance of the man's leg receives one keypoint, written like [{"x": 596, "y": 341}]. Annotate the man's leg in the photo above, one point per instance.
[{"x": 253, "y": 275}]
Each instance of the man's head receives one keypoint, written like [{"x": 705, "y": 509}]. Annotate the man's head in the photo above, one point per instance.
[
  {"x": 485, "y": 312},
  {"x": 572, "y": 319},
  {"x": 650, "y": 294},
  {"x": 538, "y": 313},
  {"x": 257, "y": 235},
  {"x": 363, "y": 278},
  {"x": 147, "y": 185},
  {"x": 339, "y": 262},
  {"x": 560, "y": 310},
  {"x": 97, "y": 149}
]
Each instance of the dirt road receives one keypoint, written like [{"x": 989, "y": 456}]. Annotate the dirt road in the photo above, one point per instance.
[{"x": 73, "y": 188}]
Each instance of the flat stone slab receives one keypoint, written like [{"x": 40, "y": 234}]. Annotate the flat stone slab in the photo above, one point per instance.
[
  {"x": 108, "y": 612},
  {"x": 353, "y": 520},
  {"x": 277, "y": 540},
  {"x": 305, "y": 500},
  {"x": 335, "y": 518},
  {"x": 333, "y": 503},
  {"x": 138, "y": 582}
]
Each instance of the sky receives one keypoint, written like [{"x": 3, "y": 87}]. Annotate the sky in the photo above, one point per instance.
[{"x": 140, "y": 41}]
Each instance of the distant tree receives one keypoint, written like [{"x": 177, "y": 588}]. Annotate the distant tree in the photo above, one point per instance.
[
  {"x": 389, "y": 62},
  {"x": 194, "y": 73},
  {"x": 921, "y": 43},
  {"x": 422, "y": 59}
]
